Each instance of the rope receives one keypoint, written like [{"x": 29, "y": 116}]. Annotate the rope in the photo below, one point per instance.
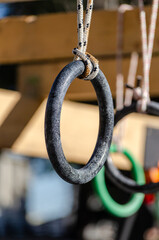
[
  {"x": 91, "y": 63},
  {"x": 147, "y": 48},
  {"x": 128, "y": 96},
  {"x": 120, "y": 78}
]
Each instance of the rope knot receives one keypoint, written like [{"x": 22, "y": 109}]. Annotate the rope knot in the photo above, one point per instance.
[{"x": 90, "y": 62}]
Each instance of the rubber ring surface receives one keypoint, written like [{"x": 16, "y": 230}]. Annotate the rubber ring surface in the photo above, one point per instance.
[
  {"x": 52, "y": 125},
  {"x": 114, "y": 174},
  {"x": 136, "y": 200}
]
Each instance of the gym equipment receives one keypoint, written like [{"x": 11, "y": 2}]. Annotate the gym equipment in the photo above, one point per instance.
[
  {"x": 135, "y": 202},
  {"x": 52, "y": 125}
]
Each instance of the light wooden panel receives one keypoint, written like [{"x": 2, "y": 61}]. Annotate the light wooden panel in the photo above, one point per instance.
[
  {"x": 16, "y": 113},
  {"x": 79, "y": 89},
  {"x": 53, "y": 36},
  {"x": 8, "y": 99},
  {"x": 79, "y": 128},
  {"x": 81, "y": 132}
]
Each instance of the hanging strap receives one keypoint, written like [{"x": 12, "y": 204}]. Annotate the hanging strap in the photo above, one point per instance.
[
  {"x": 91, "y": 63},
  {"x": 147, "y": 48},
  {"x": 120, "y": 78},
  {"x": 119, "y": 75},
  {"x": 131, "y": 79}
]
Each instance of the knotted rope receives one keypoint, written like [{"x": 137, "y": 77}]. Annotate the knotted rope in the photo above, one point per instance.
[{"x": 91, "y": 63}]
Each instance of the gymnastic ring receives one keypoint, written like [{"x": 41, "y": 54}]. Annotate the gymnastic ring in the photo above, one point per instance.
[
  {"x": 114, "y": 174},
  {"x": 136, "y": 200},
  {"x": 52, "y": 125},
  {"x": 152, "y": 109}
]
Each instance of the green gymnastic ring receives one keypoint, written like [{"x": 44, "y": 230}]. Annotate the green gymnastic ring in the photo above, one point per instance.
[{"x": 116, "y": 209}]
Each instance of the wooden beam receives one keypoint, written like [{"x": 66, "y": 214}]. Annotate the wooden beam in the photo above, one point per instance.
[
  {"x": 79, "y": 89},
  {"x": 79, "y": 130},
  {"x": 53, "y": 36}
]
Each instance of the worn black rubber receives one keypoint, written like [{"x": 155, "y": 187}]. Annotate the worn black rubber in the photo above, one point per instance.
[
  {"x": 52, "y": 125},
  {"x": 113, "y": 173}
]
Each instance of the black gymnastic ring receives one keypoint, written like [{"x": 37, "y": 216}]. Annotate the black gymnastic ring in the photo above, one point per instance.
[
  {"x": 113, "y": 173},
  {"x": 52, "y": 125}
]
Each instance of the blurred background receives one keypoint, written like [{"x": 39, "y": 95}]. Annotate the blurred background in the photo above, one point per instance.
[{"x": 36, "y": 42}]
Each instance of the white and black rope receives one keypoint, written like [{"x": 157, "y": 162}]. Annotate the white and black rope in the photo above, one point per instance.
[{"x": 91, "y": 63}]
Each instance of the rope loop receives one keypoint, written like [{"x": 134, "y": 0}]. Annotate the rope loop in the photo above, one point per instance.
[
  {"x": 91, "y": 63},
  {"x": 95, "y": 64}
]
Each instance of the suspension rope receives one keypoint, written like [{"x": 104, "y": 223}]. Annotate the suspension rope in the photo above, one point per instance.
[
  {"x": 91, "y": 63},
  {"x": 119, "y": 77},
  {"x": 147, "y": 48}
]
